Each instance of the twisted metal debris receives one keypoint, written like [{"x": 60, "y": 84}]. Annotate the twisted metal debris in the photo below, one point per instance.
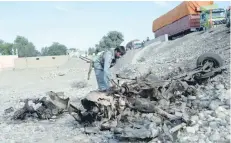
[{"x": 140, "y": 109}]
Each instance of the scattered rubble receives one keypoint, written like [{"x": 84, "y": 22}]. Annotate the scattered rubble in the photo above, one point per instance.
[
  {"x": 57, "y": 73},
  {"x": 147, "y": 108},
  {"x": 40, "y": 108},
  {"x": 79, "y": 84}
]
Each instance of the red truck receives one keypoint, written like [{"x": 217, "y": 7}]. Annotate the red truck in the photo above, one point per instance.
[{"x": 182, "y": 19}]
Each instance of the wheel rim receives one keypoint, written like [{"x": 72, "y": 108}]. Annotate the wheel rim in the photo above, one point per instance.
[{"x": 210, "y": 63}]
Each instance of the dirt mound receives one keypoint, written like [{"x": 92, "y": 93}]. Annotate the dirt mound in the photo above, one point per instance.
[{"x": 182, "y": 52}]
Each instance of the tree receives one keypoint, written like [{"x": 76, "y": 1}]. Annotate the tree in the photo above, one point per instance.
[
  {"x": 37, "y": 53},
  {"x": 6, "y": 48},
  {"x": 24, "y": 47},
  {"x": 91, "y": 51},
  {"x": 73, "y": 49},
  {"x": 44, "y": 51},
  {"x": 111, "y": 40},
  {"x": 97, "y": 48},
  {"x": 54, "y": 49}
]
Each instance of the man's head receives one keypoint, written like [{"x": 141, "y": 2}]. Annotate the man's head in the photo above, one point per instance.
[{"x": 119, "y": 51}]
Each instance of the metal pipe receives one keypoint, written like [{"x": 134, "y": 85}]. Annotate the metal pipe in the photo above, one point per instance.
[{"x": 85, "y": 59}]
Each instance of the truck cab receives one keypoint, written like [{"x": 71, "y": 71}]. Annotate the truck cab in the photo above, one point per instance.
[{"x": 217, "y": 15}]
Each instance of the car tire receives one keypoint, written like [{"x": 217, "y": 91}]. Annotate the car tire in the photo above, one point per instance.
[{"x": 215, "y": 58}]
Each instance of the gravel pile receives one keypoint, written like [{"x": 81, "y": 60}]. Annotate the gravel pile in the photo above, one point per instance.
[
  {"x": 182, "y": 52},
  {"x": 210, "y": 119}
]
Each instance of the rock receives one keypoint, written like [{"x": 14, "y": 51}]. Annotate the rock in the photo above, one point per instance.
[
  {"x": 227, "y": 137},
  {"x": 214, "y": 137},
  {"x": 191, "y": 97},
  {"x": 183, "y": 98},
  {"x": 91, "y": 130},
  {"x": 148, "y": 116},
  {"x": 201, "y": 141},
  {"x": 164, "y": 103},
  {"x": 194, "y": 119},
  {"x": 208, "y": 131},
  {"x": 200, "y": 122},
  {"x": 227, "y": 118},
  {"x": 190, "y": 130},
  {"x": 210, "y": 118},
  {"x": 227, "y": 102},
  {"x": 196, "y": 127},
  {"x": 207, "y": 114},
  {"x": 117, "y": 130},
  {"x": 139, "y": 133},
  {"x": 221, "y": 128},
  {"x": 179, "y": 114},
  {"x": 96, "y": 139},
  {"x": 201, "y": 116},
  {"x": 108, "y": 125},
  {"x": 204, "y": 103},
  {"x": 213, "y": 124},
  {"x": 156, "y": 140},
  {"x": 225, "y": 97},
  {"x": 219, "y": 86},
  {"x": 205, "y": 123},
  {"x": 189, "y": 104},
  {"x": 53, "y": 117},
  {"x": 112, "y": 141},
  {"x": 202, "y": 136},
  {"x": 61, "y": 74},
  {"x": 223, "y": 122},
  {"x": 82, "y": 138},
  {"x": 207, "y": 140},
  {"x": 40, "y": 129},
  {"x": 156, "y": 119},
  {"x": 8, "y": 110},
  {"x": 221, "y": 113},
  {"x": 214, "y": 104},
  {"x": 194, "y": 139},
  {"x": 21, "y": 104}
]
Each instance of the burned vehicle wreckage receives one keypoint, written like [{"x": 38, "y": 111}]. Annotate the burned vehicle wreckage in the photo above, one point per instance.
[{"x": 127, "y": 108}]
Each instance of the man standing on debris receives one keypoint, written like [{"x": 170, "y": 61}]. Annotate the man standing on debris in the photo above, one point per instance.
[{"x": 102, "y": 64}]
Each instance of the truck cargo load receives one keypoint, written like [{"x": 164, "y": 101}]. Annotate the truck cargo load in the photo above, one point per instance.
[
  {"x": 184, "y": 9},
  {"x": 180, "y": 27}
]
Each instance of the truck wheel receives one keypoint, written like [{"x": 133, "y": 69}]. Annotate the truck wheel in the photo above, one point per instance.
[{"x": 211, "y": 57}]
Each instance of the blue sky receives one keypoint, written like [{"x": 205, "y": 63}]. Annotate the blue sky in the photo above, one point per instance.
[{"x": 80, "y": 24}]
